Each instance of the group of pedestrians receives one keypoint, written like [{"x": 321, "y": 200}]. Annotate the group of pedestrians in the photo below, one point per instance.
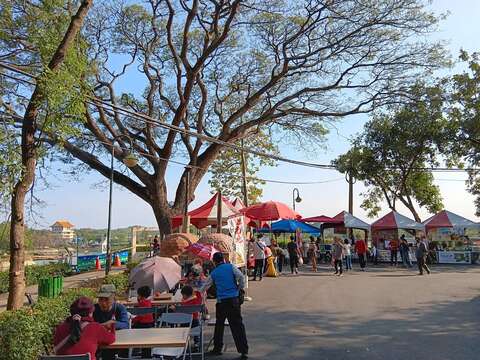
[
  {"x": 342, "y": 251},
  {"x": 403, "y": 247}
]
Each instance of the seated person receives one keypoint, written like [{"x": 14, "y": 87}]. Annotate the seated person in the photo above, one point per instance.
[
  {"x": 143, "y": 321},
  {"x": 191, "y": 297},
  {"x": 110, "y": 314},
  {"x": 80, "y": 333}
]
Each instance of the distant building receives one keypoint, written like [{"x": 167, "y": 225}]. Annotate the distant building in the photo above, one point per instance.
[{"x": 63, "y": 230}]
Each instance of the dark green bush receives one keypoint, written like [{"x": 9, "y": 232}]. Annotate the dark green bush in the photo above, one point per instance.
[
  {"x": 119, "y": 280},
  {"x": 35, "y": 272},
  {"x": 27, "y": 333}
]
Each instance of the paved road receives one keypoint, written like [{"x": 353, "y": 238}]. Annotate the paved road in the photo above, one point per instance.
[
  {"x": 70, "y": 282},
  {"x": 383, "y": 313}
]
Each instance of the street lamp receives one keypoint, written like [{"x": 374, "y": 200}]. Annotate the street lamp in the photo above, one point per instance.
[
  {"x": 130, "y": 161},
  {"x": 296, "y": 199}
]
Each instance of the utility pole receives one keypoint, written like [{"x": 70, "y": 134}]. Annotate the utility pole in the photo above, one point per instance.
[
  {"x": 243, "y": 164},
  {"x": 350, "y": 192},
  {"x": 219, "y": 211},
  {"x": 186, "y": 218},
  {"x": 351, "y": 180}
]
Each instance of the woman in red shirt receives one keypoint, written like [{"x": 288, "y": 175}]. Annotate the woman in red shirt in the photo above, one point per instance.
[{"x": 79, "y": 334}]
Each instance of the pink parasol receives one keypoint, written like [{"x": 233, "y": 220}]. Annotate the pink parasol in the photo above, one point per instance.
[{"x": 204, "y": 251}]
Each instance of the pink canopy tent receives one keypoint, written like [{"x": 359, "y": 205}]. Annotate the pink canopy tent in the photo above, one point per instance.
[
  {"x": 393, "y": 220},
  {"x": 447, "y": 219},
  {"x": 206, "y": 214}
]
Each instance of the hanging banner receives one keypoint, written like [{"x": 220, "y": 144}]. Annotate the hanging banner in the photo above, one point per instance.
[{"x": 236, "y": 227}]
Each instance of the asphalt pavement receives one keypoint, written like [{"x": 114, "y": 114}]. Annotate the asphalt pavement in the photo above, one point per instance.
[{"x": 383, "y": 313}]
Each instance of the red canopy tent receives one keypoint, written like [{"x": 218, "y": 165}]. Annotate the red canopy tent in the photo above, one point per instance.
[
  {"x": 393, "y": 220},
  {"x": 322, "y": 219},
  {"x": 206, "y": 214},
  {"x": 270, "y": 210},
  {"x": 388, "y": 226},
  {"x": 447, "y": 219}
]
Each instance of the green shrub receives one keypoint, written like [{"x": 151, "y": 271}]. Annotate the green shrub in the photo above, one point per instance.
[
  {"x": 35, "y": 272},
  {"x": 119, "y": 280},
  {"x": 27, "y": 333}
]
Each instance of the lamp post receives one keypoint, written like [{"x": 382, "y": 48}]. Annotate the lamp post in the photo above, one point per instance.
[
  {"x": 295, "y": 199},
  {"x": 130, "y": 161}
]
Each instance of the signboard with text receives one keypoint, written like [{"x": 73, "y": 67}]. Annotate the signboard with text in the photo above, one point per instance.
[{"x": 454, "y": 257}]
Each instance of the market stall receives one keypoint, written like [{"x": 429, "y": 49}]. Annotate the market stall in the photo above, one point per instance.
[
  {"x": 391, "y": 227},
  {"x": 453, "y": 237},
  {"x": 206, "y": 215},
  {"x": 339, "y": 224}
]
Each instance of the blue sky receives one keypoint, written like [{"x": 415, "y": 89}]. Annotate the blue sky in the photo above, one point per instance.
[{"x": 86, "y": 206}]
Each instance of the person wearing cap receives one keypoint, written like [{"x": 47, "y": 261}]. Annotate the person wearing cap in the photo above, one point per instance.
[
  {"x": 80, "y": 333},
  {"x": 110, "y": 314},
  {"x": 107, "y": 311},
  {"x": 229, "y": 283}
]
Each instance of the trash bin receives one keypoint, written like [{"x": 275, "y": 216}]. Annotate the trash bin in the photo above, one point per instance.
[{"x": 50, "y": 287}]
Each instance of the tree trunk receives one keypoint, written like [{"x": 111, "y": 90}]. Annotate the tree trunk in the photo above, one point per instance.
[
  {"x": 163, "y": 215},
  {"x": 411, "y": 207},
  {"x": 16, "y": 290},
  {"x": 16, "y": 283}
]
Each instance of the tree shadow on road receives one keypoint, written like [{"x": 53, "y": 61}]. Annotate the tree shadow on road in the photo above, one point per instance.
[{"x": 443, "y": 331}]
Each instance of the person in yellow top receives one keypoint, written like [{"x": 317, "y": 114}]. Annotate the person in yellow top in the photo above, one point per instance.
[{"x": 270, "y": 270}]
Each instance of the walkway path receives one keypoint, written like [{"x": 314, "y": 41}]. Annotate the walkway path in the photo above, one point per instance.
[
  {"x": 384, "y": 313},
  {"x": 68, "y": 283}
]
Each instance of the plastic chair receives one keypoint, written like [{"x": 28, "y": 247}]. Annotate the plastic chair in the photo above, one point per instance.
[
  {"x": 197, "y": 330},
  {"x": 64, "y": 357},
  {"x": 174, "y": 320}
]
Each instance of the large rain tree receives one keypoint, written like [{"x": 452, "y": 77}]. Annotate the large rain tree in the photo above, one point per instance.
[
  {"x": 395, "y": 151},
  {"x": 226, "y": 68},
  {"x": 227, "y": 171}
]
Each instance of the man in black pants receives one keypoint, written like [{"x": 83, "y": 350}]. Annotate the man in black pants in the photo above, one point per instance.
[
  {"x": 259, "y": 254},
  {"x": 229, "y": 283},
  {"x": 292, "y": 248}
]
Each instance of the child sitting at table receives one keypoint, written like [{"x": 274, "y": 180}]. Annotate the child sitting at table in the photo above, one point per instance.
[
  {"x": 143, "y": 301},
  {"x": 146, "y": 320}
]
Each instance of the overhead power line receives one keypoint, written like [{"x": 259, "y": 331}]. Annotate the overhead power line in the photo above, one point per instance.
[{"x": 95, "y": 102}]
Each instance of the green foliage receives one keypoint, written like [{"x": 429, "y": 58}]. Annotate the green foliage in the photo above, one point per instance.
[
  {"x": 5, "y": 237},
  {"x": 27, "y": 333},
  {"x": 31, "y": 31},
  {"x": 464, "y": 113},
  {"x": 394, "y": 148},
  {"x": 119, "y": 280},
  {"x": 226, "y": 171},
  {"x": 36, "y": 272}
]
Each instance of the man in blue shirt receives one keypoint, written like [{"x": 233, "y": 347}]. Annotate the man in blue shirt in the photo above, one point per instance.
[
  {"x": 229, "y": 283},
  {"x": 110, "y": 313}
]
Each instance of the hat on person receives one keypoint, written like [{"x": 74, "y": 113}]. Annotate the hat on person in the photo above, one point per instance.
[
  {"x": 106, "y": 291},
  {"x": 82, "y": 305}
]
